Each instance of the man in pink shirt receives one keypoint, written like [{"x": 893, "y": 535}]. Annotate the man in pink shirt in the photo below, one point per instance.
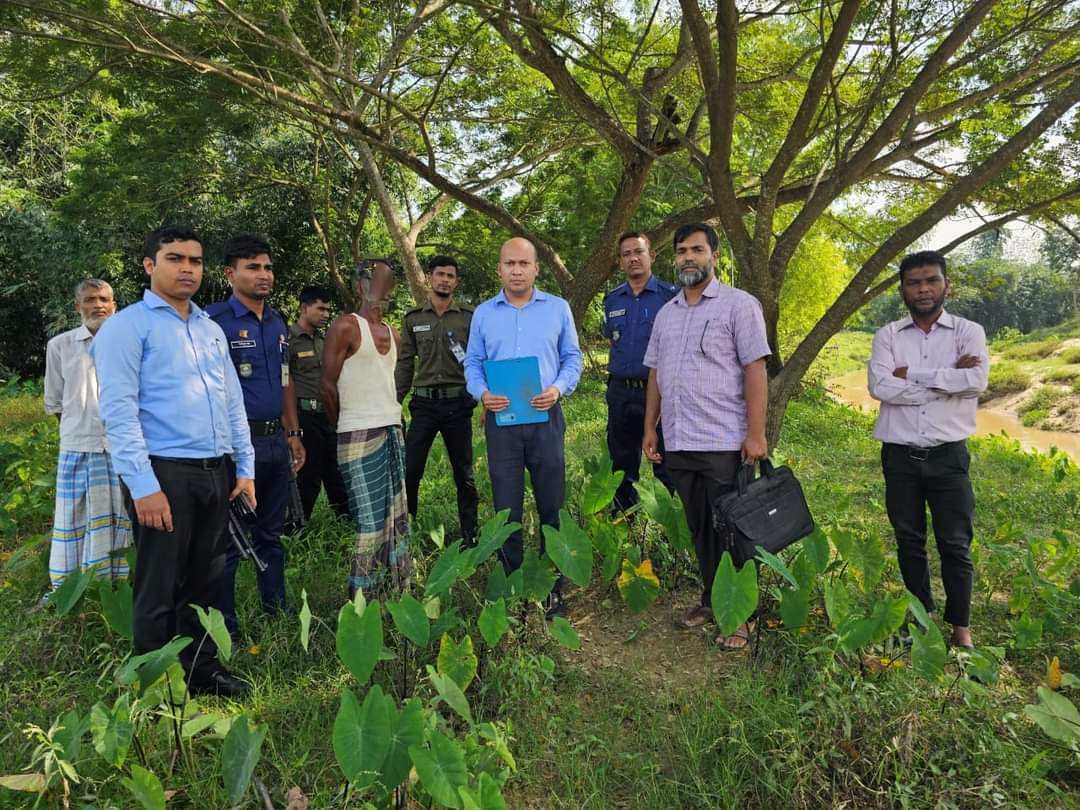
[{"x": 928, "y": 371}]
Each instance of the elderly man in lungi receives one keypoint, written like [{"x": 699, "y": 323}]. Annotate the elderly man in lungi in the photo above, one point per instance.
[
  {"x": 90, "y": 525},
  {"x": 361, "y": 400}
]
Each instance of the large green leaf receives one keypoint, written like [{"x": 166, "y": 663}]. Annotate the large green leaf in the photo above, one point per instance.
[
  {"x": 112, "y": 730},
  {"x": 71, "y": 590},
  {"x": 148, "y": 667},
  {"x": 493, "y": 622},
  {"x": 457, "y": 660},
  {"x": 1056, "y": 715},
  {"x": 407, "y": 730},
  {"x": 563, "y": 632},
  {"x": 537, "y": 576},
  {"x": 239, "y": 755},
  {"x": 450, "y": 693},
  {"x": 928, "y": 652},
  {"x": 837, "y": 602},
  {"x": 734, "y": 594},
  {"x": 816, "y": 548},
  {"x": 777, "y": 565},
  {"x": 491, "y": 538},
  {"x": 69, "y": 734},
  {"x": 410, "y": 619},
  {"x": 146, "y": 788},
  {"x": 795, "y": 606},
  {"x": 441, "y": 768},
  {"x": 570, "y": 549},
  {"x": 305, "y": 621},
  {"x": 213, "y": 622},
  {"x": 360, "y": 640},
  {"x": 362, "y": 736},
  {"x": 884, "y": 620},
  {"x": 1027, "y": 631},
  {"x": 599, "y": 489},
  {"x": 485, "y": 796},
  {"x": 638, "y": 585},
  {"x": 665, "y": 509},
  {"x": 451, "y": 566},
  {"x": 116, "y": 606},
  {"x": 865, "y": 555}
]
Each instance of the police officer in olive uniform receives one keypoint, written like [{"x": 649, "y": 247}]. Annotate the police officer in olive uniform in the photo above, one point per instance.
[
  {"x": 433, "y": 341},
  {"x": 320, "y": 439},
  {"x": 258, "y": 344},
  {"x": 629, "y": 312}
]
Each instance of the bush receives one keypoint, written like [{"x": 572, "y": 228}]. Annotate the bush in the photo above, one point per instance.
[
  {"x": 1039, "y": 405},
  {"x": 1065, "y": 374},
  {"x": 1005, "y": 378},
  {"x": 1070, "y": 356},
  {"x": 1033, "y": 351}
]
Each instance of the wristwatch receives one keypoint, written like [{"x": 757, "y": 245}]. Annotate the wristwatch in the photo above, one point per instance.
[{"x": 296, "y": 434}]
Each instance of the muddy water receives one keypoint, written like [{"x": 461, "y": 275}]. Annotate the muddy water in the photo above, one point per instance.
[{"x": 851, "y": 388}]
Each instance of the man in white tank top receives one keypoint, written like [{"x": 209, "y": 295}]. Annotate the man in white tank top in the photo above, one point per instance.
[{"x": 358, "y": 391}]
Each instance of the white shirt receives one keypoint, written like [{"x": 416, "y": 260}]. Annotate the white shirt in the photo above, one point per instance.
[
  {"x": 71, "y": 390},
  {"x": 936, "y": 403}
]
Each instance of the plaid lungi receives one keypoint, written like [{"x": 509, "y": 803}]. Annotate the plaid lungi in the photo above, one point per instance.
[
  {"x": 372, "y": 465},
  {"x": 90, "y": 524}
]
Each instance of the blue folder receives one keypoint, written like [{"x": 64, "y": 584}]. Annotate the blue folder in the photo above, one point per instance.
[{"x": 518, "y": 379}]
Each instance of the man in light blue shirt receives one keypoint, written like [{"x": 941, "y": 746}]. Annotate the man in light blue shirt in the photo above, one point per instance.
[
  {"x": 173, "y": 409},
  {"x": 522, "y": 321}
]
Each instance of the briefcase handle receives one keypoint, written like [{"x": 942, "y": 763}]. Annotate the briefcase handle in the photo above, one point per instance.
[{"x": 746, "y": 473}]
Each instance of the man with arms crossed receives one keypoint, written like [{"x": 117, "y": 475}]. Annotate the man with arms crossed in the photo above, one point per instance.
[
  {"x": 928, "y": 370},
  {"x": 707, "y": 381},
  {"x": 90, "y": 526},
  {"x": 523, "y": 321},
  {"x": 434, "y": 337},
  {"x": 258, "y": 342},
  {"x": 629, "y": 312},
  {"x": 320, "y": 440},
  {"x": 173, "y": 409}
]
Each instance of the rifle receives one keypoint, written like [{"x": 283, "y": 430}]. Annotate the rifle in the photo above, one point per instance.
[
  {"x": 294, "y": 507},
  {"x": 241, "y": 519}
]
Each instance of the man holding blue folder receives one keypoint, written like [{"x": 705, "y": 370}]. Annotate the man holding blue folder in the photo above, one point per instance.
[{"x": 524, "y": 322}]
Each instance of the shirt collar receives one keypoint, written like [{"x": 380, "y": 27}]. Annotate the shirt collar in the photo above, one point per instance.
[
  {"x": 538, "y": 295},
  {"x": 155, "y": 301},
  {"x": 83, "y": 333},
  {"x": 429, "y": 307},
  {"x": 296, "y": 330},
  {"x": 944, "y": 320},
  {"x": 651, "y": 285},
  {"x": 712, "y": 290}
]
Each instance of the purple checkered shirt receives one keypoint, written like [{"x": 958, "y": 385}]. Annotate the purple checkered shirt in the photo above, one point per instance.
[{"x": 699, "y": 353}]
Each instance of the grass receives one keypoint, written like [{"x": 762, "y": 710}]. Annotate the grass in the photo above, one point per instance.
[
  {"x": 1069, "y": 356},
  {"x": 1041, "y": 404},
  {"x": 1005, "y": 378},
  {"x": 1034, "y": 350},
  {"x": 1064, "y": 374},
  {"x": 640, "y": 717}
]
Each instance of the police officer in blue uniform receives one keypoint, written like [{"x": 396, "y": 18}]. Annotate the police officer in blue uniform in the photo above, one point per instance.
[
  {"x": 259, "y": 346},
  {"x": 629, "y": 312}
]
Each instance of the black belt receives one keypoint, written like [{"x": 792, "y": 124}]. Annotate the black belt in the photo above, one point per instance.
[
  {"x": 925, "y": 453},
  {"x": 267, "y": 428},
  {"x": 440, "y": 391},
  {"x": 203, "y": 463},
  {"x": 311, "y": 405},
  {"x": 627, "y": 382}
]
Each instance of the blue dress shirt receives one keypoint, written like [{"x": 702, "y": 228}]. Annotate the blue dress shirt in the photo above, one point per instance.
[
  {"x": 259, "y": 348},
  {"x": 543, "y": 328},
  {"x": 628, "y": 322},
  {"x": 168, "y": 388}
]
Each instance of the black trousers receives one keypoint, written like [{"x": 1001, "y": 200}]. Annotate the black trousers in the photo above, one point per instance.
[
  {"x": 177, "y": 569},
  {"x": 625, "y": 427},
  {"x": 320, "y": 469},
  {"x": 940, "y": 481},
  {"x": 700, "y": 478},
  {"x": 537, "y": 448},
  {"x": 453, "y": 419}
]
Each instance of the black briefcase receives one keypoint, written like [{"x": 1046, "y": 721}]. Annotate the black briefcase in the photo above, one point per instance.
[{"x": 768, "y": 512}]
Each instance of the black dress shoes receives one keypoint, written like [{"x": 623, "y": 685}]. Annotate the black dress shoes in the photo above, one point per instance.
[{"x": 221, "y": 683}]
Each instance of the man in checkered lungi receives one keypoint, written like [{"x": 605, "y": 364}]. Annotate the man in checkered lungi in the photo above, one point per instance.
[{"x": 91, "y": 526}]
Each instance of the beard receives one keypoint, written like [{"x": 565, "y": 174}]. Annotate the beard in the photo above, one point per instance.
[
  {"x": 690, "y": 275},
  {"x": 441, "y": 293},
  {"x": 93, "y": 324},
  {"x": 924, "y": 309}
]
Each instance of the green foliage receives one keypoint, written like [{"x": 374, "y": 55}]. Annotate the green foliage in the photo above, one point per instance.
[
  {"x": 570, "y": 549},
  {"x": 116, "y": 606},
  {"x": 492, "y": 622},
  {"x": 1056, "y": 715},
  {"x": 213, "y": 622},
  {"x": 1004, "y": 379},
  {"x": 1040, "y": 404},
  {"x": 146, "y": 788},
  {"x": 457, "y": 660},
  {"x": 71, "y": 590},
  {"x": 362, "y": 735},
  {"x": 441, "y": 769},
  {"x": 734, "y": 594},
  {"x": 359, "y": 639},
  {"x": 239, "y": 755},
  {"x": 112, "y": 729},
  {"x": 563, "y": 632},
  {"x": 410, "y": 619}
]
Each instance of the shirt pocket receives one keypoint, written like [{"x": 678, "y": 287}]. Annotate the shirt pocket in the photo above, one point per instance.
[{"x": 616, "y": 323}]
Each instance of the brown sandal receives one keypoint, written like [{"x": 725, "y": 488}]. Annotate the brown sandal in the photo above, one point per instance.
[
  {"x": 742, "y": 635},
  {"x": 695, "y": 617}
]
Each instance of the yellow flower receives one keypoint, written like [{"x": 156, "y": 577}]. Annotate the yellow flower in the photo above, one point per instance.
[
  {"x": 1053, "y": 673},
  {"x": 253, "y": 649}
]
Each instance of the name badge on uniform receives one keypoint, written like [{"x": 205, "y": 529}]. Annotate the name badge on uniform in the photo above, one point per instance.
[
  {"x": 245, "y": 369},
  {"x": 284, "y": 374},
  {"x": 422, "y": 327},
  {"x": 305, "y": 354},
  {"x": 615, "y": 313},
  {"x": 242, "y": 344}
]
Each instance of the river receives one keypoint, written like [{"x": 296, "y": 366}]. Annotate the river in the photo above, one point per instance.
[{"x": 851, "y": 388}]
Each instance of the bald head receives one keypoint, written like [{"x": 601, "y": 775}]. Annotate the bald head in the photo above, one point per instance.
[{"x": 518, "y": 267}]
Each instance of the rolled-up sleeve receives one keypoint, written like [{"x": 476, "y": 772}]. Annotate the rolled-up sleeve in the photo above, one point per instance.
[
  {"x": 569, "y": 355},
  {"x": 118, "y": 351},
  {"x": 475, "y": 355},
  {"x": 54, "y": 378}
]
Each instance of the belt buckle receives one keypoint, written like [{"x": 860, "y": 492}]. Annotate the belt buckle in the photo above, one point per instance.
[
  {"x": 919, "y": 453},
  {"x": 313, "y": 404}
]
